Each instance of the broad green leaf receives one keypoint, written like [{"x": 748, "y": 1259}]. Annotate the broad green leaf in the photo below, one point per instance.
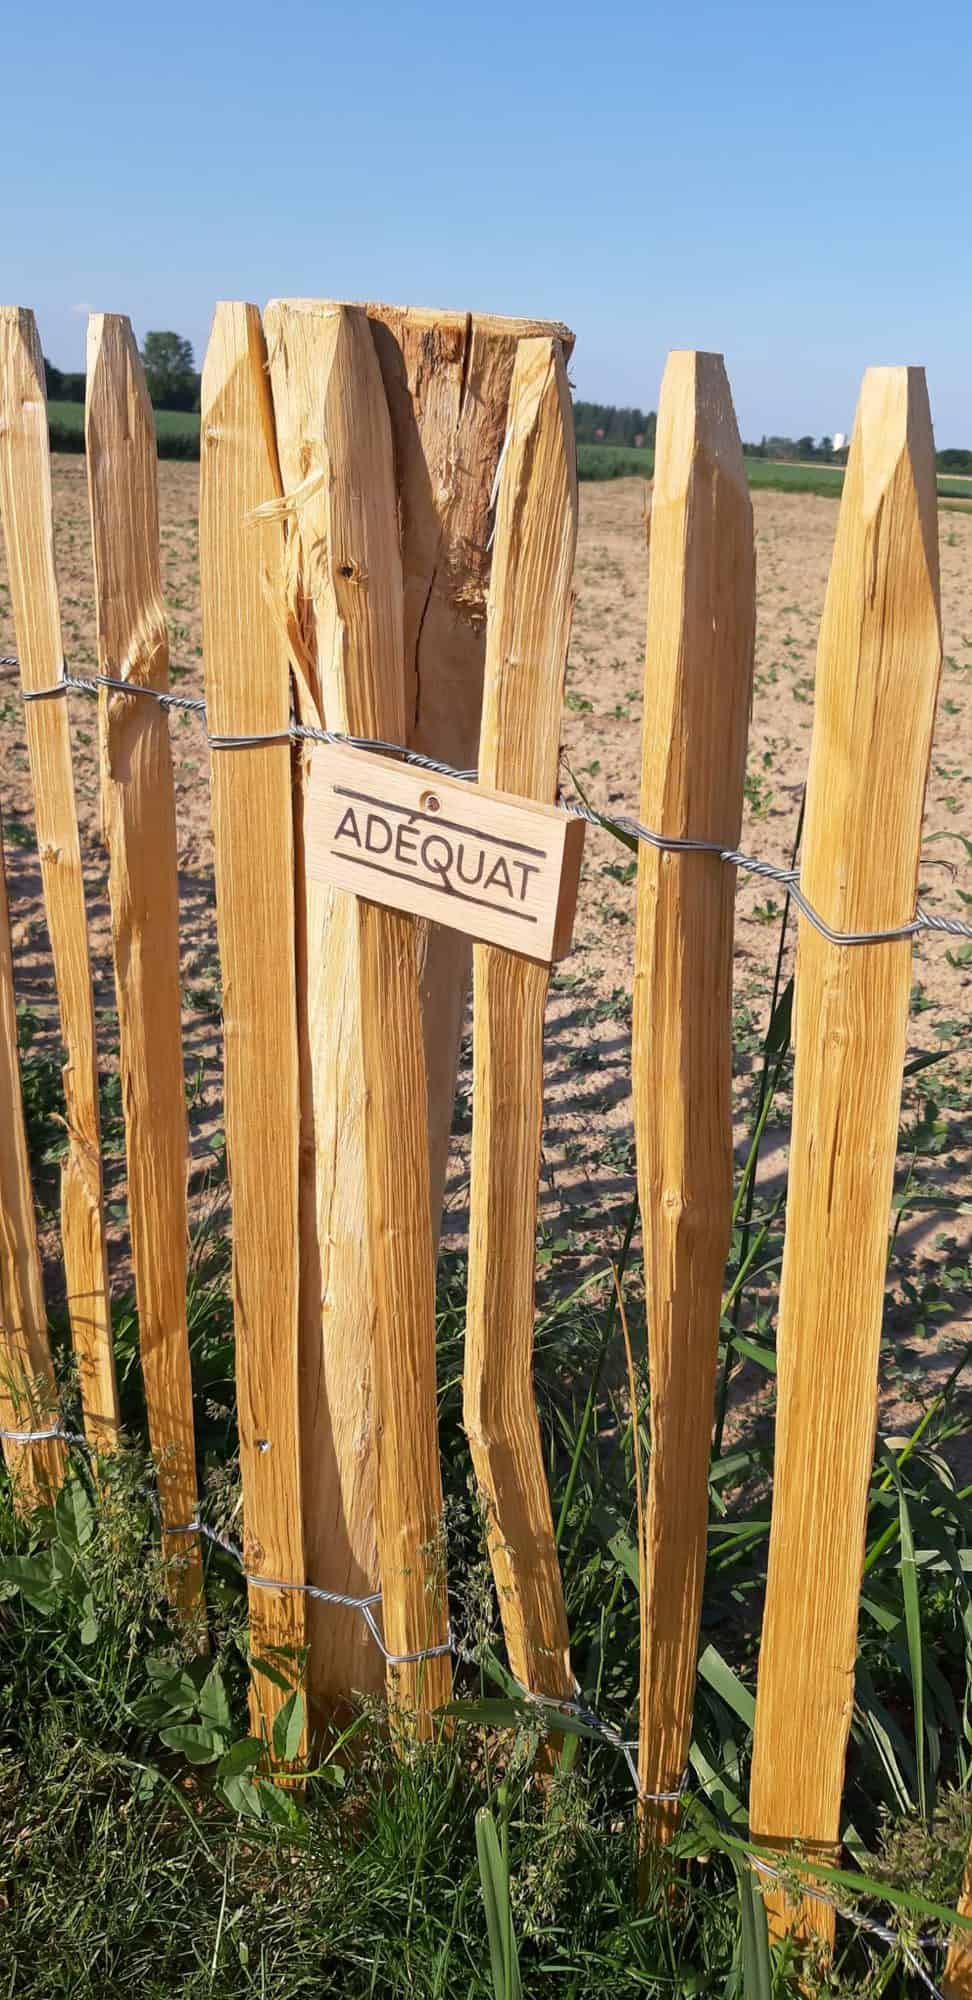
[
  {"x": 195, "y": 1741},
  {"x": 213, "y": 1704},
  {"x": 240, "y": 1757},
  {"x": 34, "y": 1577},
  {"x": 288, "y": 1728},
  {"x": 720, "y": 1676}
]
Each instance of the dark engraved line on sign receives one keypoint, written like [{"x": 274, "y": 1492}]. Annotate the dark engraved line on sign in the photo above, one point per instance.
[
  {"x": 454, "y": 825},
  {"x": 441, "y": 888}
]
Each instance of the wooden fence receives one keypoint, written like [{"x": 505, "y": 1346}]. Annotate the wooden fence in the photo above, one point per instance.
[{"x": 387, "y": 526}]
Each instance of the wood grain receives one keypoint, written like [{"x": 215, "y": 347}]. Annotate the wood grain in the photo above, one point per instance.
[
  {"x": 698, "y": 688},
  {"x": 528, "y": 628},
  {"x": 336, "y": 1299},
  {"x": 957, "y": 1977},
  {"x": 351, "y": 592},
  {"x": 28, "y": 1392},
  {"x": 25, "y": 503},
  {"x": 447, "y": 382},
  {"x": 877, "y": 678},
  {"x": 247, "y": 692},
  {"x": 503, "y": 869},
  {"x": 138, "y": 812}
]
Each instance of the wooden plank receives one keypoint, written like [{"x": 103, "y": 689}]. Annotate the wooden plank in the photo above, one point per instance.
[
  {"x": 331, "y": 409},
  {"x": 447, "y": 381},
  {"x": 500, "y": 868},
  {"x": 28, "y": 1391},
  {"x": 877, "y": 678},
  {"x": 25, "y": 502},
  {"x": 138, "y": 816},
  {"x": 248, "y": 693},
  {"x": 528, "y": 628},
  {"x": 446, "y": 378},
  {"x": 698, "y": 686},
  {"x": 957, "y": 1979},
  {"x": 336, "y": 1303}
]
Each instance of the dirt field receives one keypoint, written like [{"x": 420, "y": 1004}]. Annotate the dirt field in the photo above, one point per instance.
[{"x": 588, "y": 1141}]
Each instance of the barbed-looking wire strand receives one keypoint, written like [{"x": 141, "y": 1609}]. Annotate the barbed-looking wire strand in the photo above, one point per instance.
[{"x": 750, "y": 864}]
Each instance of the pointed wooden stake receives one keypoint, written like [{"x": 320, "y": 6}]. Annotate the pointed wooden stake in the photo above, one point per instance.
[
  {"x": 25, "y": 503},
  {"x": 528, "y": 627},
  {"x": 248, "y": 693},
  {"x": 877, "y": 681},
  {"x": 698, "y": 684},
  {"x": 329, "y": 396},
  {"x": 28, "y": 1393},
  {"x": 138, "y": 801}
]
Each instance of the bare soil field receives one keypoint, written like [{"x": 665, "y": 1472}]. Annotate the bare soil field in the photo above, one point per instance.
[{"x": 588, "y": 1151}]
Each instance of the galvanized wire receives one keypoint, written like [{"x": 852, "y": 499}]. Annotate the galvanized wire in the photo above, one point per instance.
[{"x": 750, "y": 864}]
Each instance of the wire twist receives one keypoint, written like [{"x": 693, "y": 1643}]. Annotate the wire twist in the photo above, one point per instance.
[{"x": 297, "y": 732}]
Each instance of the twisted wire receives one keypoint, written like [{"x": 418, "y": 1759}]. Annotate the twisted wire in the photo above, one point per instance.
[{"x": 750, "y": 864}]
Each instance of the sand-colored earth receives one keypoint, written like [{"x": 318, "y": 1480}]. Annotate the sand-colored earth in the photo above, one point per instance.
[{"x": 588, "y": 1157}]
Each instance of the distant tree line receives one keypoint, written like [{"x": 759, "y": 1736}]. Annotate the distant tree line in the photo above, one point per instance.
[
  {"x": 174, "y": 384},
  {"x": 170, "y": 373},
  {"x": 602, "y": 423}
]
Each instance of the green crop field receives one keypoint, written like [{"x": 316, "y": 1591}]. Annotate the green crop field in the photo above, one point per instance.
[
  {"x": 612, "y": 461},
  {"x": 177, "y": 430}
]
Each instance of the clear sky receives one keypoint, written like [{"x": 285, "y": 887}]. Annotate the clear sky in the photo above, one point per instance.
[{"x": 787, "y": 183}]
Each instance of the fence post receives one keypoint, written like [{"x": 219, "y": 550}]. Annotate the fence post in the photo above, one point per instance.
[
  {"x": 28, "y": 1392},
  {"x": 248, "y": 693},
  {"x": 527, "y": 633},
  {"x": 698, "y": 686},
  {"x": 138, "y": 800},
  {"x": 447, "y": 380},
  {"x": 336, "y": 1302},
  {"x": 25, "y": 502},
  {"x": 877, "y": 679},
  {"x": 329, "y": 396}
]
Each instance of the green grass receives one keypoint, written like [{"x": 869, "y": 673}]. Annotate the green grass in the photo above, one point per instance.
[
  {"x": 177, "y": 430},
  {"x": 147, "y": 1855},
  {"x": 608, "y": 461}
]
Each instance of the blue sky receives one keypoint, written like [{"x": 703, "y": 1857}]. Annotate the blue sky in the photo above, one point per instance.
[{"x": 789, "y": 184}]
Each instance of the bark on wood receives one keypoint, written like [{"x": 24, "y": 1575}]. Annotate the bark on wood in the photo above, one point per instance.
[
  {"x": 698, "y": 686},
  {"x": 247, "y": 691},
  {"x": 528, "y": 627},
  {"x": 877, "y": 678},
  {"x": 25, "y": 503}
]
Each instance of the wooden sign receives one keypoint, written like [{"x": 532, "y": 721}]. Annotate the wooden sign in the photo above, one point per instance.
[{"x": 501, "y": 869}]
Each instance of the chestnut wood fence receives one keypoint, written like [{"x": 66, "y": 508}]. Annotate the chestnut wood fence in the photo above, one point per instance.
[{"x": 387, "y": 525}]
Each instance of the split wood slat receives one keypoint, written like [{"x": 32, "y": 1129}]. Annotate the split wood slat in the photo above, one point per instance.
[
  {"x": 447, "y": 381},
  {"x": 527, "y": 634},
  {"x": 351, "y": 588},
  {"x": 28, "y": 1392},
  {"x": 446, "y": 378},
  {"x": 878, "y": 665},
  {"x": 957, "y": 1978},
  {"x": 25, "y": 503},
  {"x": 336, "y": 1304},
  {"x": 248, "y": 693},
  {"x": 138, "y": 812},
  {"x": 698, "y": 690}
]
